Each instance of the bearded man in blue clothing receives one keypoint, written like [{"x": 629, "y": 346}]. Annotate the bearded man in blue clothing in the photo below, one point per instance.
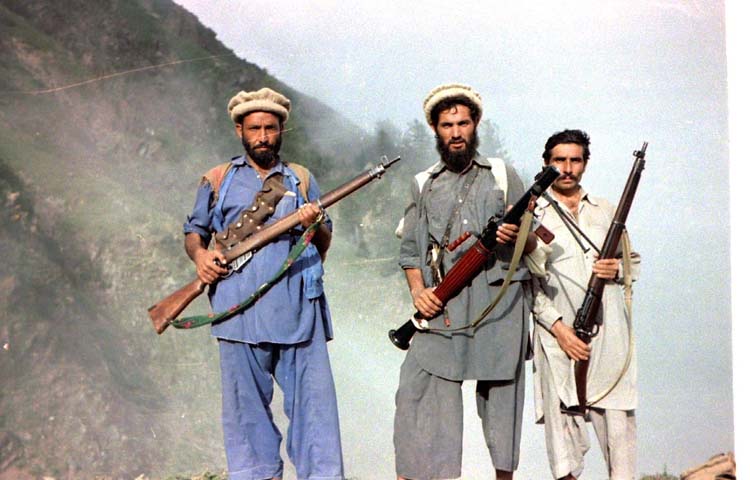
[{"x": 283, "y": 335}]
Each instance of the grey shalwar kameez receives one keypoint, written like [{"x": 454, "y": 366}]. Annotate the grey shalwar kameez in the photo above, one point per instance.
[{"x": 429, "y": 414}]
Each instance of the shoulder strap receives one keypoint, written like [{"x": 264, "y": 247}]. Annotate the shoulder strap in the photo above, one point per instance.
[
  {"x": 498, "y": 169},
  {"x": 500, "y": 172},
  {"x": 215, "y": 176},
  {"x": 303, "y": 175},
  {"x": 424, "y": 175}
]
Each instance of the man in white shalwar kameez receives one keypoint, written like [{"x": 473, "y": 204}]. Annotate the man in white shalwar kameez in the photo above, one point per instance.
[{"x": 562, "y": 270}]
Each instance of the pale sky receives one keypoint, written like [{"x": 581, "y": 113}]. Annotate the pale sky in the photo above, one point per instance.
[{"x": 624, "y": 71}]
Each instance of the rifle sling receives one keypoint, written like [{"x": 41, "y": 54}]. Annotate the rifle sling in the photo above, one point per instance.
[
  {"x": 523, "y": 234},
  {"x": 463, "y": 194},
  {"x": 628, "y": 287},
  {"x": 299, "y": 247}
]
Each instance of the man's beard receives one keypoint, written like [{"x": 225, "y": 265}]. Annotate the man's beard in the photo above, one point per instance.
[
  {"x": 457, "y": 161},
  {"x": 266, "y": 158}
]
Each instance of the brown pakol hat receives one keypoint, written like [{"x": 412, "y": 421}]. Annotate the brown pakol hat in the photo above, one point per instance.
[{"x": 263, "y": 100}]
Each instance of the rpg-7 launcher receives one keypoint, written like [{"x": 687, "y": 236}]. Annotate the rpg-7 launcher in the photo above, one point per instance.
[{"x": 472, "y": 262}]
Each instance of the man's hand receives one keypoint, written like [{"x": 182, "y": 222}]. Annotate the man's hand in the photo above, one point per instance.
[
  {"x": 573, "y": 346},
  {"x": 507, "y": 233},
  {"x": 607, "y": 268},
  {"x": 307, "y": 214},
  {"x": 210, "y": 265},
  {"x": 426, "y": 302}
]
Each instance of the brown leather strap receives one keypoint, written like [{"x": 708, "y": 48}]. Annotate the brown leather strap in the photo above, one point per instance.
[
  {"x": 252, "y": 218},
  {"x": 303, "y": 175},
  {"x": 215, "y": 176},
  {"x": 628, "y": 292}
]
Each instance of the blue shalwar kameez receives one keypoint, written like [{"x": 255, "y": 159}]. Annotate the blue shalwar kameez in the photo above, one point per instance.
[{"x": 283, "y": 337}]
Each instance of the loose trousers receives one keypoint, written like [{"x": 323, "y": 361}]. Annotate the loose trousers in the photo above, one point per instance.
[
  {"x": 251, "y": 439},
  {"x": 567, "y": 437},
  {"x": 428, "y": 425}
]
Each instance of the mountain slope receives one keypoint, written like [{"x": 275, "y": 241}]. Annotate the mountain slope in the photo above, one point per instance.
[{"x": 99, "y": 159}]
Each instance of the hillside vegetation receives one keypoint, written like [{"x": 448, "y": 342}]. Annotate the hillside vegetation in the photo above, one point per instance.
[{"x": 109, "y": 113}]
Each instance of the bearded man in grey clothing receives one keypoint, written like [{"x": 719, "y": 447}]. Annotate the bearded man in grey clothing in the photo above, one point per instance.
[{"x": 459, "y": 194}]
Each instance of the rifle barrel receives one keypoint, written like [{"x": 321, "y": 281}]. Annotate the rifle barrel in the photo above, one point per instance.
[
  {"x": 166, "y": 310},
  {"x": 586, "y": 323}
]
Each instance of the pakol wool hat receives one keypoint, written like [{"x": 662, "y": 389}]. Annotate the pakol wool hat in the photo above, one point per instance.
[
  {"x": 451, "y": 90},
  {"x": 263, "y": 100}
]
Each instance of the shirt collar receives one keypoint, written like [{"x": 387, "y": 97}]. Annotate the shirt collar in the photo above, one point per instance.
[
  {"x": 280, "y": 166},
  {"x": 585, "y": 197}
]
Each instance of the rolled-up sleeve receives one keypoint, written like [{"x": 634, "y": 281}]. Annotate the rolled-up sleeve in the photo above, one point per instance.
[
  {"x": 409, "y": 252},
  {"x": 199, "y": 220}
]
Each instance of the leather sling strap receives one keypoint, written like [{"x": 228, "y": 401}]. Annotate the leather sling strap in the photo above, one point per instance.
[
  {"x": 523, "y": 234},
  {"x": 628, "y": 291},
  {"x": 294, "y": 254}
]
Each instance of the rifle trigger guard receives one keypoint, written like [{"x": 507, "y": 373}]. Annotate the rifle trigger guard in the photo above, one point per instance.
[{"x": 595, "y": 330}]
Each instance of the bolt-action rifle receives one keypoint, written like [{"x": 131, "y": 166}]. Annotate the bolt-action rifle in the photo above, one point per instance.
[
  {"x": 588, "y": 318},
  {"x": 473, "y": 261},
  {"x": 166, "y": 310}
]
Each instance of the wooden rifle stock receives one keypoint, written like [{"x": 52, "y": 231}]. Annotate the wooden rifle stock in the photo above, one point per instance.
[
  {"x": 166, "y": 310},
  {"x": 469, "y": 266},
  {"x": 588, "y": 317}
]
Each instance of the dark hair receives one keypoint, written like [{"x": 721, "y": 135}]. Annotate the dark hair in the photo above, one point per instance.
[
  {"x": 449, "y": 102},
  {"x": 579, "y": 137}
]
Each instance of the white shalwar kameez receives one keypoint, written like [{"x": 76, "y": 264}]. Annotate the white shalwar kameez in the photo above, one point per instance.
[{"x": 562, "y": 271}]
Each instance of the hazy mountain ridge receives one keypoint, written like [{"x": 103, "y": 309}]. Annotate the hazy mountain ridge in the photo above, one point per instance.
[{"x": 95, "y": 180}]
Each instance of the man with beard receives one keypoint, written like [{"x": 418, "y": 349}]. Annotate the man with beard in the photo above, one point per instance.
[
  {"x": 283, "y": 335},
  {"x": 459, "y": 194},
  {"x": 562, "y": 270}
]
